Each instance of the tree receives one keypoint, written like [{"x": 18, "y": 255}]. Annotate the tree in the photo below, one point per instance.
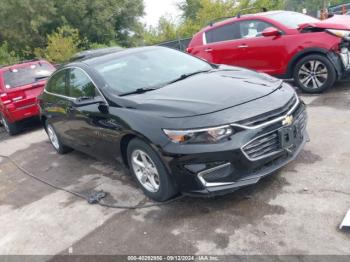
[
  {"x": 26, "y": 23},
  {"x": 23, "y": 23},
  {"x": 190, "y": 8},
  {"x": 165, "y": 30},
  {"x": 7, "y": 56},
  {"x": 61, "y": 45}
]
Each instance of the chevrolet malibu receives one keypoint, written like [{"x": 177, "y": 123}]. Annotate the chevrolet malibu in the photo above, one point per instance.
[{"x": 180, "y": 124}]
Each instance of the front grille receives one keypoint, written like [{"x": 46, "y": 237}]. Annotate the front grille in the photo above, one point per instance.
[
  {"x": 271, "y": 115},
  {"x": 301, "y": 121},
  {"x": 263, "y": 146},
  {"x": 269, "y": 144}
]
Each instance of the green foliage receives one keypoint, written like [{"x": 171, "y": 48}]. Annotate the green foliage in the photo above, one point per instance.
[
  {"x": 25, "y": 24},
  {"x": 166, "y": 30},
  {"x": 61, "y": 45},
  {"x": 7, "y": 56}
]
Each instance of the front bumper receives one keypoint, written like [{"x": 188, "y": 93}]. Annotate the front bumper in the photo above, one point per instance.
[
  {"x": 341, "y": 60},
  {"x": 253, "y": 178},
  {"x": 222, "y": 168}
]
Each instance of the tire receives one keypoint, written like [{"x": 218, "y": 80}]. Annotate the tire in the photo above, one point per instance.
[
  {"x": 155, "y": 173},
  {"x": 10, "y": 128},
  {"x": 314, "y": 74},
  {"x": 55, "y": 140}
]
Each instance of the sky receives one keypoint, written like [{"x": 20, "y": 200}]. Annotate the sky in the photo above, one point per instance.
[{"x": 154, "y": 9}]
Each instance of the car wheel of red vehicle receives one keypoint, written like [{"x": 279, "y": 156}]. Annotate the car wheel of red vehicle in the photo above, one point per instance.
[
  {"x": 149, "y": 171},
  {"x": 10, "y": 128},
  {"x": 55, "y": 141},
  {"x": 314, "y": 74}
]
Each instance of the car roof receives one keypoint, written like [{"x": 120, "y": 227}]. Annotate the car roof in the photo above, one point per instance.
[
  {"x": 87, "y": 54},
  {"x": 92, "y": 60},
  {"x": 247, "y": 16}
]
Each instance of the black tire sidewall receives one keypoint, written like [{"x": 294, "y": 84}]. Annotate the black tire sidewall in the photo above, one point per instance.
[
  {"x": 12, "y": 128},
  {"x": 62, "y": 149},
  {"x": 332, "y": 75},
  {"x": 167, "y": 187}
]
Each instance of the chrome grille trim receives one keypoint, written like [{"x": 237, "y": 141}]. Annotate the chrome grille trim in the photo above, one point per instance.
[
  {"x": 211, "y": 184},
  {"x": 278, "y": 119},
  {"x": 269, "y": 140}
]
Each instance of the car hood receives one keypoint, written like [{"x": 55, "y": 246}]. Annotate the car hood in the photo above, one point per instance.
[
  {"x": 339, "y": 22},
  {"x": 205, "y": 93}
]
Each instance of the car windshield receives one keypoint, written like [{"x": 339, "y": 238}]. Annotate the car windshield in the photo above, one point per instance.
[
  {"x": 148, "y": 69},
  {"x": 292, "y": 19},
  {"x": 25, "y": 75}
]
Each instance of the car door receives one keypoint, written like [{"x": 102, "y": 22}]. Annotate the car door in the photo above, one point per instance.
[
  {"x": 95, "y": 131},
  {"x": 56, "y": 104},
  {"x": 264, "y": 54},
  {"x": 223, "y": 45}
]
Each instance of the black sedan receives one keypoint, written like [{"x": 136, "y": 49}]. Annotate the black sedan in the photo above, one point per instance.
[{"x": 179, "y": 123}]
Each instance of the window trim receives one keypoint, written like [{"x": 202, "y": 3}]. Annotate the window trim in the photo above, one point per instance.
[
  {"x": 68, "y": 68},
  {"x": 205, "y": 42}
]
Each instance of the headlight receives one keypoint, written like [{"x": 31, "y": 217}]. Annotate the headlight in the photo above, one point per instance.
[
  {"x": 339, "y": 33},
  {"x": 205, "y": 135}
]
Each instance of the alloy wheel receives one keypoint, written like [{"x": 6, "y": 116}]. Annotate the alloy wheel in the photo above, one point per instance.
[
  {"x": 145, "y": 170},
  {"x": 53, "y": 137},
  {"x": 5, "y": 124},
  {"x": 313, "y": 74}
]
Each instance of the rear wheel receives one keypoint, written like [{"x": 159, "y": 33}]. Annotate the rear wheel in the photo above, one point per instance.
[
  {"x": 10, "y": 128},
  {"x": 149, "y": 171},
  {"x": 314, "y": 74},
  {"x": 55, "y": 141}
]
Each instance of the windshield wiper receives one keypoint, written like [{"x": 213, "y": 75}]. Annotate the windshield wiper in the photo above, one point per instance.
[
  {"x": 139, "y": 91},
  {"x": 184, "y": 76},
  {"x": 40, "y": 77}
]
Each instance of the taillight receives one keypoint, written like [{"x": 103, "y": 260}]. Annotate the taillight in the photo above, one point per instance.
[{"x": 5, "y": 99}]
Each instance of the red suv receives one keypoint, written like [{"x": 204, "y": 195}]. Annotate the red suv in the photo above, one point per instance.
[
  {"x": 281, "y": 43},
  {"x": 20, "y": 85}
]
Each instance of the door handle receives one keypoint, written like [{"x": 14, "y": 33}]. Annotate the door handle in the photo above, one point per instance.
[
  {"x": 208, "y": 50},
  {"x": 242, "y": 46}
]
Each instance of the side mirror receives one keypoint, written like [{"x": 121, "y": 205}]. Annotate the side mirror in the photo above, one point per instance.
[
  {"x": 86, "y": 101},
  {"x": 271, "y": 31},
  {"x": 103, "y": 107}
]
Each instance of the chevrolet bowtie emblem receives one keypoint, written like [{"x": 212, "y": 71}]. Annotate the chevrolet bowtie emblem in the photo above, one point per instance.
[{"x": 287, "y": 121}]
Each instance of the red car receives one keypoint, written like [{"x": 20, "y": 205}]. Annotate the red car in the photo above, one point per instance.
[
  {"x": 281, "y": 43},
  {"x": 20, "y": 85}
]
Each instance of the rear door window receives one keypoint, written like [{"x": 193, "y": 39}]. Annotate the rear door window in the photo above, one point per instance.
[
  {"x": 57, "y": 83},
  {"x": 80, "y": 85},
  {"x": 223, "y": 33},
  {"x": 25, "y": 75}
]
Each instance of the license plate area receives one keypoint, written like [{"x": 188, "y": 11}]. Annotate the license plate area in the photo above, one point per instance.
[{"x": 289, "y": 137}]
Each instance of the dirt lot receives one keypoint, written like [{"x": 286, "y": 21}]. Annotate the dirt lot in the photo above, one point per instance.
[{"x": 296, "y": 211}]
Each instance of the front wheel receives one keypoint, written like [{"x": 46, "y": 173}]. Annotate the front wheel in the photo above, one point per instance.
[
  {"x": 149, "y": 171},
  {"x": 314, "y": 74}
]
